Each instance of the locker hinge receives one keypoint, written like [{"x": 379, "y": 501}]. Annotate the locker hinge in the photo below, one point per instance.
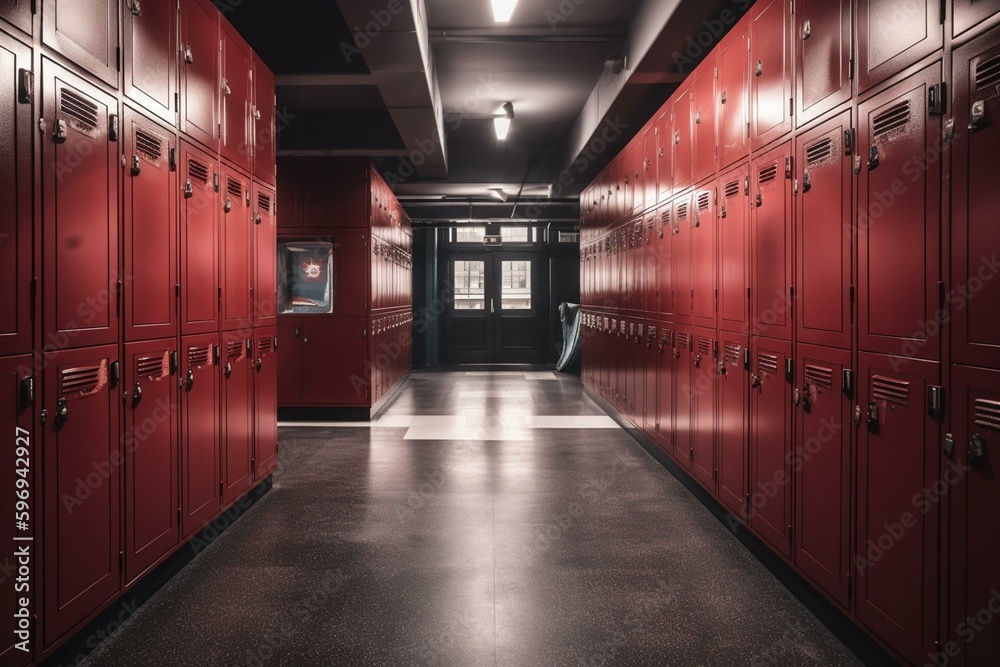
[
  {"x": 179, "y": 515},
  {"x": 935, "y": 401},
  {"x": 118, "y": 58},
  {"x": 34, "y": 6},
  {"x": 173, "y": 158},
  {"x": 790, "y": 370},
  {"x": 121, "y": 561},
  {"x": 850, "y": 587},
  {"x": 26, "y": 86},
  {"x": 748, "y": 293},
  {"x": 177, "y": 290},
  {"x": 847, "y": 382},
  {"x": 216, "y": 182},
  {"x": 791, "y": 106},
  {"x": 941, "y": 294},
  {"x": 218, "y": 129},
  {"x": 944, "y": 9},
  {"x": 221, "y": 487},
  {"x": 27, "y": 392},
  {"x": 849, "y": 141},
  {"x": 113, "y": 127},
  {"x": 937, "y": 102},
  {"x": 177, "y": 101},
  {"x": 850, "y": 69}
]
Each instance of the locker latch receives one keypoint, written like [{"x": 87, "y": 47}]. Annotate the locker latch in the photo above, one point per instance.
[
  {"x": 697, "y": 361},
  {"x": 188, "y": 54},
  {"x": 949, "y": 131},
  {"x": 847, "y": 382},
  {"x": 229, "y": 205},
  {"x": 27, "y": 393},
  {"x": 113, "y": 127},
  {"x": 937, "y": 102},
  {"x": 755, "y": 381},
  {"x": 759, "y": 70},
  {"x": 134, "y": 7},
  {"x": 136, "y": 166},
  {"x": 189, "y": 382},
  {"x": 806, "y": 182},
  {"x": 723, "y": 97},
  {"x": 949, "y": 445},
  {"x": 721, "y": 368},
  {"x": 60, "y": 135},
  {"x": 188, "y": 189},
  {"x": 873, "y": 415},
  {"x": 790, "y": 370},
  {"x": 136, "y": 394},
  {"x": 723, "y": 211},
  {"x": 848, "y": 141},
  {"x": 873, "y": 159},
  {"x": 62, "y": 413},
  {"x": 857, "y": 415},
  {"x": 935, "y": 401},
  {"x": 796, "y": 396},
  {"x": 226, "y": 90},
  {"x": 116, "y": 375},
  {"x": 806, "y": 29},
  {"x": 228, "y": 369},
  {"x": 174, "y": 362},
  {"x": 25, "y": 86},
  {"x": 977, "y": 450},
  {"x": 746, "y": 359},
  {"x": 978, "y": 115},
  {"x": 759, "y": 200}
]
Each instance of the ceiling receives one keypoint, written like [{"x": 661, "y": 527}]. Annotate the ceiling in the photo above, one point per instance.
[{"x": 417, "y": 85}]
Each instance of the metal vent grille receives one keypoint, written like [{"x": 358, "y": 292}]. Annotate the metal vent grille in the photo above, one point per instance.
[
  {"x": 84, "y": 380},
  {"x": 149, "y": 146},
  {"x": 819, "y": 151},
  {"x": 265, "y": 345},
  {"x": 732, "y": 189},
  {"x": 682, "y": 211},
  {"x": 704, "y": 345},
  {"x": 235, "y": 349},
  {"x": 891, "y": 390},
  {"x": 895, "y": 117},
  {"x": 153, "y": 368},
  {"x": 665, "y": 218},
  {"x": 819, "y": 376},
  {"x": 651, "y": 332},
  {"x": 988, "y": 72},
  {"x": 198, "y": 171},
  {"x": 988, "y": 414},
  {"x": 733, "y": 354},
  {"x": 264, "y": 202},
  {"x": 200, "y": 356},
  {"x": 703, "y": 201},
  {"x": 668, "y": 337},
  {"x": 79, "y": 111},
  {"x": 767, "y": 363},
  {"x": 683, "y": 340},
  {"x": 234, "y": 187},
  {"x": 768, "y": 174}
]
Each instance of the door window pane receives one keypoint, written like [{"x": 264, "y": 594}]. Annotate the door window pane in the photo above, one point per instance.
[
  {"x": 470, "y": 234},
  {"x": 516, "y": 234},
  {"x": 516, "y": 285},
  {"x": 470, "y": 289}
]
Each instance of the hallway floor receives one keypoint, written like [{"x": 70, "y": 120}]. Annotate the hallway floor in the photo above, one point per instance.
[{"x": 485, "y": 519}]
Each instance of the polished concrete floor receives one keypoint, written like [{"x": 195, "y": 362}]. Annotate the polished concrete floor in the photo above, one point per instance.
[{"x": 486, "y": 519}]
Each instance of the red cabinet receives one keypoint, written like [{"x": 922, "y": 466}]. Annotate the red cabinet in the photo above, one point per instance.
[
  {"x": 152, "y": 458},
  {"x": 200, "y": 425},
  {"x": 734, "y": 94},
  {"x": 86, "y": 32},
  {"x": 150, "y": 61},
  {"x": 892, "y": 37},
  {"x": 265, "y": 240},
  {"x": 265, "y": 403},
  {"x": 975, "y": 291},
  {"x": 771, "y": 83},
  {"x": 899, "y": 225},
  {"x": 975, "y": 529},
  {"x": 665, "y": 390},
  {"x": 682, "y": 139},
  {"x": 82, "y": 458},
  {"x": 704, "y": 97},
  {"x": 200, "y": 71},
  {"x": 824, "y": 234},
  {"x": 733, "y": 421},
  {"x": 16, "y": 222},
  {"x": 898, "y": 524},
  {"x": 684, "y": 396},
  {"x": 771, "y": 443},
  {"x": 237, "y": 414},
  {"x": 972, "y": 13},
  {"x": 199, "y": 265},
  {"x": 824, "y": 397},
  {"x": 824, "y": 41},
  {"x": 734, "y": 249},
  {"x": 18, "y": 13},
  {"x": 80, "y": 197},
  {"x": 681, "y": 260},
  {"x": 703, "y": 390},
  {"x": 704, "y": 270},
  {"x": 150, "y": 231},
  {"x": 236, "y": 93},
  {"x": 237, "y": 238},
  {"x": 264, "y": 123},
  {"x": 771, "y": 249}
]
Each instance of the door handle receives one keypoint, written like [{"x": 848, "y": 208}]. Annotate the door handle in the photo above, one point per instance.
[
  {"x": 62, "y": 413},
  {"x": 976, "y": 453}
]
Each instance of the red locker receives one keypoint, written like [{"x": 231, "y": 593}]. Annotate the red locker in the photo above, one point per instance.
[
  {"x": 703, "y": 390},
  {"x": 975, "y": 202},
  {"x": 86, "y": 32},
  {"x": 899, "y": 228},
  {"x": 199, "y": 281},
  {"x": 237, "y": 415},
  {"x": 734, "y": 249},
  {"x": 80, "y": 211},
  {"x": 733, "y": 426},
  {"x": 82, "y": 459},
  {"x": 734, "y": 94},
  {"x": 152, "y": 458},
  {"x": 150, "y": 232},
  {"x": 824, "y": 468},
  {"x": 332, "y": 192},
  {"x": 649, "y": 164},
  {"x": 681, "y": 260},
  {"x": 650, "y": 368},
  {"x": 340, "y": 346},
  {"x": 684, "y": 396},
  {"x": 972, "y": 13},
  {"x": 200, "y": 417},
  {"x": 824, "y": 234},
  {"x": 975, "y": 530},
  {"x": 151, "y": 58},
  {"x": 897, "y": 542},
  {"x": 665, "y": 389},
  {"x": 290, "y": 361},
  {"x": 265, "y": 256},
  {"x": 892, "y": 37},
  {"x": 19, "y": 14},
  {"x": 16, "y": 221},
  {"x": 703, "y": 97},
  {"x": 266, "y": 403},
  {"x": 704, "y": 270},
  {"x": 824, "y": 40},
  {"x": 771, "y": 249},
  {"x": 771, "y": 443},
  {"x": 682, "y": 138},
  {"x": 200, "y": 73},
  {"x": 237, "y": 67},
  {"x": 237, "y": 236},
  {"x": 16, "y": 399},
  {"x": 664, "y": 154},
  {"x": 771, "y": 83},
  {"x": 651, "y": 262}
]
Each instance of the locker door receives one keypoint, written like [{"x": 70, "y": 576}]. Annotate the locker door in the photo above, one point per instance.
[
  {"x": 823, "y": 469},
  {"x": 824, "y": 39},
  {"x": 665, "y": 390},
  {"x": 703, "y": 95},
  {"x": 972, "y": 13},
  {"x": 898, "y": 524},
  {"x": 734, "y": 248},
  {"x": 684, "y": 396},
  {"x": 86, "y": 32},
  {"x": 351, "y": 274},
  {"x": 771, "y": 444},
  {"x": 771, "y": 84},
  {"x": 16, "y": 413},
  {"x": 80, "y": 211},
  {"x": 82, "y": 467},
  {"x": 199, "y": 281},
  {"x": 339, "y": 346},
  {"x": 16, "y": 222},
  {"x": 899, "y": 234},
  {"x": 650, "y": 363},
  {"x": 651, "y": 262},
  {"x": 891, "y": 37},
  {"x": 975, "y": 537},
  {"x": 664, "y": 154},
  {"x": 734, "y": 93},
  {"x": 705, "y": 372},
  {"x": 151, "y": 453},
  {"x": 733, "y": 434},
  {"x": 649, "y": 164},
  {"x": 237, "y": 415},
  {"x": 18, "y": 13},
  {"x": 266, "y": 404},
  {"x": 704, "y": 272},
  {"x": 682, "y": 138},
  {"x": 236, "y": 88},
  {"x": 265, "y": 257},
  {"x": 823, "y": 234},
  {"x": 771, "y": 249},
  {"x": 200, "y": 415},
  {"x": 975, "y": 201},
  {"x": 681, "y": 279},
  {"x": 150, "y": 234},
  {"x": 200, "y": 74},
  {"x": 151, "y": 58},
  {"x": 237, "y": 232}
]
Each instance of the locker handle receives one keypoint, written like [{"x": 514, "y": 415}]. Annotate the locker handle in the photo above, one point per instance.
[
  {"x": 949, "y": 445},
  {"x": 977, "y": 450},
  {"x": 256, "y": 113},
  {"x": 697, "y": 361},
  {"x": 806, "y": 398},
  {"x": 759, "y": 201},
  {"x": 62, "y": 414},
  {"x": 722, "y": 369},
  {"x": 873, "y": 158},
  {"x": 134, "y": 7},
  {"x": 136, "y": 166},
  {"x": 977, "y": 116},
  {"x": 174, "y": 364},
  {"x": 759, "y": 70},
  {"x": 228, "y": 369},
  {"x": 873, "y": 414},
  {"x": 259, "y": 364},
  {"x": 298, "y": 332},
  {"x": 226, "y": 90},
  {"x": 188, "y": 189},
  {"x": 796, "y": 396},
  {"x": 136, "y": 394},
  {"x": 189, "y": 383},
  {"x": 229, "y": 205},
  {"x": 755, "y": 381},
  {"x": 115, "y": 374},
  {"x": 188, "y": 54},
  {"x": 306, "y": 340},
  {"x": 806, "y": 29},
  {"x": 806, "y": 182},
  {"x": 60, "y": 135}
]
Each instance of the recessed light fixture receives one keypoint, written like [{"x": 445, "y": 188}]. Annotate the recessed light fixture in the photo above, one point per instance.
[
  {"x": 502, "y": 123},
  {"x": 502, "y": 10}
]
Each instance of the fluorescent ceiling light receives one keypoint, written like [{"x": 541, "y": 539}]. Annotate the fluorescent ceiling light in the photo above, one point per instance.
[
  {"x": 502, "y": 126},
  {"x": 502, "y": 10},
  {"x": 499, "y": 194}
]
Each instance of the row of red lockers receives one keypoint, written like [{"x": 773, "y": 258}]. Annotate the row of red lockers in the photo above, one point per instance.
[
  {"x": 149, "y": 243},
  {"x": 392, "y": 250}
]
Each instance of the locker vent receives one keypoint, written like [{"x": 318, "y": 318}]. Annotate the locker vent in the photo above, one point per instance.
[
  {"x": 818, "y": 376},
  {"x": 704, "y": 346},
  {"x": 668, "y": 337},
  {"x": 235, "y": 350},
  {"x": 665, "y": 218},
  {"x": 198, "y": 172},
  {"x": 734, "y": 354},
  {"x": 895, "y": 117},
  {"x": 149, "y": 146},
  {"x": 265, "y": 345},
  {"x": 703, "y": 201},
  {"x": 767, "y": 363},
  {"x": 988, "y": 73},
  {"x": 200, "y": 356},
  {"x": 81, "y": 112},
  {"x": 988, "y": 414},
  {"x": 732, "y": 189},
  {"x": 819, "y": 151},
  {"x": 85, "y": 380},
  {"x": 153, "y": 368},
  {"x": 234, "y": 187},
  {"x": 683, "y": 340},
  {"x": 682, "y": 211},
  {"x": 891, "y": 390},
  {"x": 768, "y": 174},
  {"x": 651, "y": 332},
  {"x": 264, "y": 202}
]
